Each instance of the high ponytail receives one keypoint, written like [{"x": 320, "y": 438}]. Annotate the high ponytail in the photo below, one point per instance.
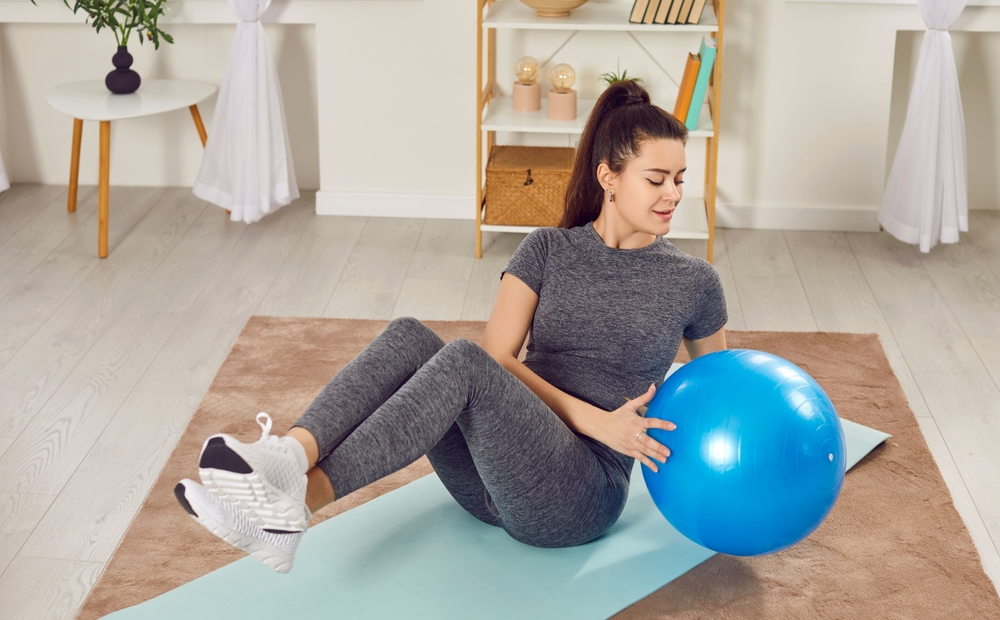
[{"x": 621, "y": 121}]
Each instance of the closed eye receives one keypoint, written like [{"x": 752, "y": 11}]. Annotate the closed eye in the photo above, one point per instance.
[{"x": 661, "y": 182}]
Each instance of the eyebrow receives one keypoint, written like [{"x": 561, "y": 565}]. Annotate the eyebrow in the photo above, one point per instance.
[{"x": 662, "y": 170}]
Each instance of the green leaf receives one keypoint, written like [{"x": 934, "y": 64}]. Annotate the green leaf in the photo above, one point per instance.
[{"x": 122, "y": 17}]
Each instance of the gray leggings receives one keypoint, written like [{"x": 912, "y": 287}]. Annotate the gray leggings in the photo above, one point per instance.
[{"x": 499, "y": 450}]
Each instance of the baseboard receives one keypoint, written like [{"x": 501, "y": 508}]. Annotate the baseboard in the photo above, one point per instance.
[
  {"x": 427, "y": 206},
  {"x": 772, "y": 217},
  {"x": 855, "y": 219}
]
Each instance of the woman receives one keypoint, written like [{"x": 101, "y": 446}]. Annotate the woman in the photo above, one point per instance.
[{"x": 543, "y": 448}]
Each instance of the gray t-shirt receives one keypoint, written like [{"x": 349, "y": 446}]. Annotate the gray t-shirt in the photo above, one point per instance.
[{"x": 609, "y": 321}]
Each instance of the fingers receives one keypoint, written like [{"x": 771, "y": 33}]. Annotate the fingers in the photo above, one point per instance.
[
  {"x": 649, "y": 448},
  {"x": 636, "y": 403},
  {"x": 646, "y": 461},
  {"x": 666, "y": 425}
]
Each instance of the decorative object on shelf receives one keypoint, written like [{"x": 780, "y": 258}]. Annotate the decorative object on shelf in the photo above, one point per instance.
[
  {"x": 527, "y": 90},
  {"x": 667, "y": 12},
  {"x": 554, "y": 8},
  {"x": 707, "y": 56},
  {"x": 611, "y": 77},
  {"x": 686, "y": 91},
  {"x": 123, "y": 16},
  {"x": 525, "y": 185},
  {"x": 562, "y": 97}
]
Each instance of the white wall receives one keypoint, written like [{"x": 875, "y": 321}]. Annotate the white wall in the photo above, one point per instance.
[
  {"x": 387, "y": 108},
  {"x": 157, "y": 150}
]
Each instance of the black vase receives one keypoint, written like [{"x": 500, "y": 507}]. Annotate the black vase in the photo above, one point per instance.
[{"x": 122, "y": 80}]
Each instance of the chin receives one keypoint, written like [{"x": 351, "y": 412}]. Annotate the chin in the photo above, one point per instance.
[{"x": 659, "y": 228}]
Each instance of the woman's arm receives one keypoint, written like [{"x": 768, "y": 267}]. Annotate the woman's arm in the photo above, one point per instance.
[
  {"x": 708, "y": 344},
  {"x": 506, "y": 331},
  {"x": 623, "y": 429}
]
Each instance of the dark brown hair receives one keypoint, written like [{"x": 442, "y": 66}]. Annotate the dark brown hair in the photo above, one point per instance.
[{"x": 622, "y": 120}]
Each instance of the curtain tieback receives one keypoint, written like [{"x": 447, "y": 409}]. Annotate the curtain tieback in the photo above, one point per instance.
[{"x": 938, "y": 29}]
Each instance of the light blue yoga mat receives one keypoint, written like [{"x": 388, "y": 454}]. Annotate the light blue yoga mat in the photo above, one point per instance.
[{"x": 414, "y": 553}]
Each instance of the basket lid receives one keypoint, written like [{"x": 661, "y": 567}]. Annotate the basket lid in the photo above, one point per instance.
[{"x": 534, "y": 157}]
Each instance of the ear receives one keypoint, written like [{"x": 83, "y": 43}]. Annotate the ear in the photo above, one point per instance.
[{"x": 605, "y": 176}]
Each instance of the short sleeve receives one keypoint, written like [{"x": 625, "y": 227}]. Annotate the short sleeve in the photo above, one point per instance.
[
  {"x": 528, "y": 260},
  {"x": 710, "y": 313}
]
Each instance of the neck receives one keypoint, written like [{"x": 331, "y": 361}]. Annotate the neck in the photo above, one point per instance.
[{"x": 619, "y": 234}]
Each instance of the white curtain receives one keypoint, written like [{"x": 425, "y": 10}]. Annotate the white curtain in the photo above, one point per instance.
[
  {"x": 926, "y": 198},
  {"x": 247, "y": 165},
  {"x": 4, "y": 182}
]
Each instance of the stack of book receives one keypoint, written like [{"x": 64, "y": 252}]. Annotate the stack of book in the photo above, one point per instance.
[
  {"x": 694, "y": 84},
  {"x": 666, "y": 11}
]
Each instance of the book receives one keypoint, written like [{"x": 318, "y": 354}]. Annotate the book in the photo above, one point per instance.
[
  {"x": 661, "y": 13},
  {"x": 707, "y": 55},
  {"x": 687, "y": 86},
  {"x": 651, "y": 11},
  {"x": 696, "y": 11},
  {"x": 638, "y": 11},
  {"x": 675, "y": 8},
  {"x": 685, "y": 11}
]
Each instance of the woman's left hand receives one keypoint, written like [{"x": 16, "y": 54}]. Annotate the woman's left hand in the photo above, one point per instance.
[{"x": 625, "y": 429}]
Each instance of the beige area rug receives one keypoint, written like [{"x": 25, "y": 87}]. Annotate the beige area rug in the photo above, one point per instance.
[{"x": 893, "y": 546}]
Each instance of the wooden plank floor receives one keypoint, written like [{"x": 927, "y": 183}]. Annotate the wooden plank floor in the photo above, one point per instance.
[{"x": 102, "y": 362}]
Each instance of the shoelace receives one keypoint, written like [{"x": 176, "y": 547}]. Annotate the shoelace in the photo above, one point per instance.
[{"x": 265, "y": 425}]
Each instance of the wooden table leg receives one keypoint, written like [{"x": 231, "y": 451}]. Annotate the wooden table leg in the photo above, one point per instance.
[
  {"x": 197, "y": 123},
  {"x": 201, "y": 129},
  {"x": 74, "y": 165},
  {"x": 102, "y": 191}
]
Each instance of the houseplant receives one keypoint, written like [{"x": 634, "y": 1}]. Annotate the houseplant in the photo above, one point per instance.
[
  {"x": 611, "y": 77},
  {"x": 122, "y": 17}
]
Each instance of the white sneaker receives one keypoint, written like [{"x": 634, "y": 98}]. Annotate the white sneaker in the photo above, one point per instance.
[
  {"x": 264, "y": 479},
  {"x": 274, "y": 549}
]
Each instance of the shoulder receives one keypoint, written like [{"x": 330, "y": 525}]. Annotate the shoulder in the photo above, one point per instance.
[
  {"x": 534, "y": 255},
  {"x": 680, "y": 257},
  {"x": 698, "y": 270},
  {"x": 549, "y": 239}
]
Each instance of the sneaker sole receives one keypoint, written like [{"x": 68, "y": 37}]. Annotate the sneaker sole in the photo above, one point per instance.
[
  {"x": 229, "y": 477},
  {"x": 268, "y": 554}
]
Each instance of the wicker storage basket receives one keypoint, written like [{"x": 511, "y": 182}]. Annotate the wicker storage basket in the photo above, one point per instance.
[{"x": 526, "y": 185}]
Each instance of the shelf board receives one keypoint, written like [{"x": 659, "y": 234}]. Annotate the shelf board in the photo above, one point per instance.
[
  {"x": 591, "y": 16},
  {"x": 690, "y": 221},
  {"x": 500, "y": 116}
]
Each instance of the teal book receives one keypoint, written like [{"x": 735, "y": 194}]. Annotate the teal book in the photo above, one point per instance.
[{"x": 701, "y": 84}]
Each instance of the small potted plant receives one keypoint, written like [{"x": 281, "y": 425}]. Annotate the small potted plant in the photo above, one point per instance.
[
  {"x": 122, "y": 17},
  {"x": 610, "y": 77}
]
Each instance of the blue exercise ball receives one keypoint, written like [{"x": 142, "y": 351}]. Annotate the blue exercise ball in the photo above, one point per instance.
[{"x": 757, "y": 458}]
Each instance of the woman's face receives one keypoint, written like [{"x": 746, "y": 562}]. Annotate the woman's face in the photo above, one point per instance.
[{"x": 650, "y": 187}]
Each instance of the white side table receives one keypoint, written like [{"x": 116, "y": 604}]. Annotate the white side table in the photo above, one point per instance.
[{"x": 92, "y": 101}]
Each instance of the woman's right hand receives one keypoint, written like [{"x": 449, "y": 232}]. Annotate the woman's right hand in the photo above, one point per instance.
[{"x": 624, "y": 430}]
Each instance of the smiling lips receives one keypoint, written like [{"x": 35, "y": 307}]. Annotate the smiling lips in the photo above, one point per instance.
[{"x": 665, "y": 214}]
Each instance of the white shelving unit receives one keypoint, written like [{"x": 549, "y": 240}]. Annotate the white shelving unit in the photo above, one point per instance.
[
  {"x": 591, "y": 16},
  {"x": 500, "y": 116},
  {"x": 497, "y": 113}
]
